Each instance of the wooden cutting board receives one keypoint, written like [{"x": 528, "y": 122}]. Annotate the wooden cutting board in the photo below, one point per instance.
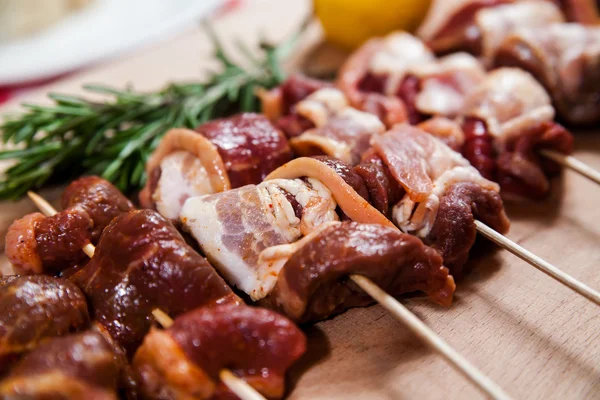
[{"x": 535, "y": 338}]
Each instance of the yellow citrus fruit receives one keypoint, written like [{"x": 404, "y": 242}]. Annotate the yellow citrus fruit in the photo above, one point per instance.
[{"x": 349, "y": 23}]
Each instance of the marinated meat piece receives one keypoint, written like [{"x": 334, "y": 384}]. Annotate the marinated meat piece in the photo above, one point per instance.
[
  {"x": 506, "y": 121},
  {"x": 249, "y": 145},
  {"x": 340, "y": 131},
  {"x": 479, "y": 148},
  {"x": 233, "y": 227},
  {"x": 36, "y": 307},
  {"x": 142, "y": 263},
  {"x": 80, "y": 366},
  {"x": 454, "y": 231},
  {"x": 565, "y": 58},
  {"x": 37, "y": 244},
  {"x": 374, "y": 72},
  {"x": 184, "y": 361},
  {"x": 521, "y": 170},
  {"x": 314, "y": 284},
  {"x": 99, "y": 198},
  {"x": 384, "y": 191}
]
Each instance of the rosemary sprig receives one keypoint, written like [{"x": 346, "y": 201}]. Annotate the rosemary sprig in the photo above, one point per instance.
[{"x": 76, "y": 136}]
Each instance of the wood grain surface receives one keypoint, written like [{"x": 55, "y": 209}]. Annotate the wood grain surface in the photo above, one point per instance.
[{"x": 535, "y": 338}]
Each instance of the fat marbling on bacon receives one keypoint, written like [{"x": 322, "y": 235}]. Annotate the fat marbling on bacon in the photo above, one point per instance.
[
  {"x": 565, "y": 58},
  {"x": 220, "y": 154},
  {"x": 506, "y": 120},
  {"x": 184, "y": 360},
  {"x": 34, "y": 308},
  {"x": 401, "y": 68},
  {"x": 142, "y": 263},
  {"x": 76, "y": 367},
  {"x": 38, "y": 244},
  {"x": 478, "y": 26},
  {"x": 437, "y": 194}
]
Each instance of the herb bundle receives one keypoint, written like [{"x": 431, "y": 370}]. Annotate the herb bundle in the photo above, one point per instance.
[{"x": 114, "y": 139}]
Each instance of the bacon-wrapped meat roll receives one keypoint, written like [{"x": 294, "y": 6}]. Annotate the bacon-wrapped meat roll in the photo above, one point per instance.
[
  {"x": 38, "y": 244},
  {"x": 313, "y": 282},
  {"x": 219, "y": 155},
  {"x": 184, "y": 360},
  {"x": 75, "y": 367},
  {"x": 506, "y": 120},
  {"x": 249, "y": 232},
  {"x": 441, "y": 194},
  {"x": 479, "y": 26},
  {"x": 425, "y": 86},
  {"x": 142, "y": 263},
  {"x": 565, "y": 58},
  {"x": 33, "y": 308},
  {"x": 233, "y": 227}
]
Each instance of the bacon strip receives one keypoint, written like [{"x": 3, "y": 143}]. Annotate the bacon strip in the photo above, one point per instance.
[
  {"x": 189, "y": 141},
  {"x": 351, "y": 203},
  {"x": 340, "y": 131}
]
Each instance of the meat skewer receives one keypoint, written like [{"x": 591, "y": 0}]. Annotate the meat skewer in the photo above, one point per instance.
[
  {"x": 482, "y": 102},
  {"x": 235, "y": 384},
  {"x": 397, "y": 309},
  {"x": 449, "y": 86}
]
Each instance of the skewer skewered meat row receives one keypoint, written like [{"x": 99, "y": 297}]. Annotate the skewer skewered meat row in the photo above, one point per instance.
[
  {"x": 258, "y": 244},
  {"x": 503, "y": 118},
  {"x": 164, "y": 272},
  {"x": 532, "y": 35}
]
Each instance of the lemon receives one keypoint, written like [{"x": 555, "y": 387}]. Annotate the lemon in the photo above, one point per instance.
[{"x": 349, "y": 23}]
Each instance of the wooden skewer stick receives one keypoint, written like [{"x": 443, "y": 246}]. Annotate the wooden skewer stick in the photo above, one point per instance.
[
  {"x": 573, "y": 163},
  {"x": 238, "y": 386},
  {"x": 47, "y": 209},
  {"x": 422, "y": 331},
  {"x": 539, "y": 263},
  {"x": 429, "y": 337}
]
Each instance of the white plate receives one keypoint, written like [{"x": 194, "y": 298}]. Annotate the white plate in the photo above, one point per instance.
[{"x": 103, "y": 29}]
